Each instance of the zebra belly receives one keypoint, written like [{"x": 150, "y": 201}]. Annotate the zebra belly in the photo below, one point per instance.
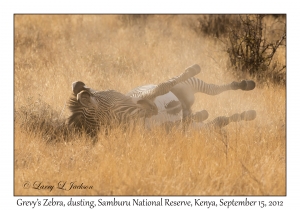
[{"x": 169, "y": 110}]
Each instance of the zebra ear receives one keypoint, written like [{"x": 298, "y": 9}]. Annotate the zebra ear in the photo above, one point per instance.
[
  {"x": 84, "y": 98},
  {"x": 77, "y": 87},
  {"x": 149, "y": 107}
]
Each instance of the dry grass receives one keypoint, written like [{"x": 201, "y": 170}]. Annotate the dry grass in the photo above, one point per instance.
[{"x": 113, "y": 52}]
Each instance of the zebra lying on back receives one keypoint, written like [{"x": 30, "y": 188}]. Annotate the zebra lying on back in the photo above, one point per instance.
[
  {"x": 166, "y": 103},
  {"x": 93, "y": 110}
]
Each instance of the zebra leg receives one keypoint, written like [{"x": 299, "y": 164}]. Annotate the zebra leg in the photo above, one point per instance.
[
  {"x": 164, "y": 87},
  {"x": 200, "y": 116},
  {"x": 212, "y": 89},
  {"x": 222, "y": 121},
  {"x": 216, "y": 124},
  {"x": 190, "y": 117},
  {"x": 185, "y": 91}
]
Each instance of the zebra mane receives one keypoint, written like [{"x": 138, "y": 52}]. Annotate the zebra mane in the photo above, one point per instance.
[{"x": 73, "y": 104}]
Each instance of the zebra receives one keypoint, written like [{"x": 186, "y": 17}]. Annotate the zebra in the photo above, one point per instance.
[
  {"x": 168, "y": 103},
  {"x": 174, "y": 107},
  {"x": 93, "y": 110}
]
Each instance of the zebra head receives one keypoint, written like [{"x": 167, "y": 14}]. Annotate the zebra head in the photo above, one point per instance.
[{"x": 92, "y": 109}]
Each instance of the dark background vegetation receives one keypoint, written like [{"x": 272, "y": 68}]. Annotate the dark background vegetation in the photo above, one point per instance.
[{"x": 251, "y": 41}]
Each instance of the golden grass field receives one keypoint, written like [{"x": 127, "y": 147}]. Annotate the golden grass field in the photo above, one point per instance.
[{"x": 120, "y": 53}]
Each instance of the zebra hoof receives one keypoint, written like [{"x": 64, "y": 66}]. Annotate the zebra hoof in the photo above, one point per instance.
[
  {"x": 248, "y": 115},
  {"x": 243, "y": 85},
  {"x": 250, "y": 85},
  {"x": 200, "y": 116},
  {"x": 193, "y": 70},
  {"x": 239, "y": 85}
]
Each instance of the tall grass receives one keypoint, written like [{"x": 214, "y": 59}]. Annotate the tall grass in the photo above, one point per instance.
[{"x": 120, "y": 53}]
